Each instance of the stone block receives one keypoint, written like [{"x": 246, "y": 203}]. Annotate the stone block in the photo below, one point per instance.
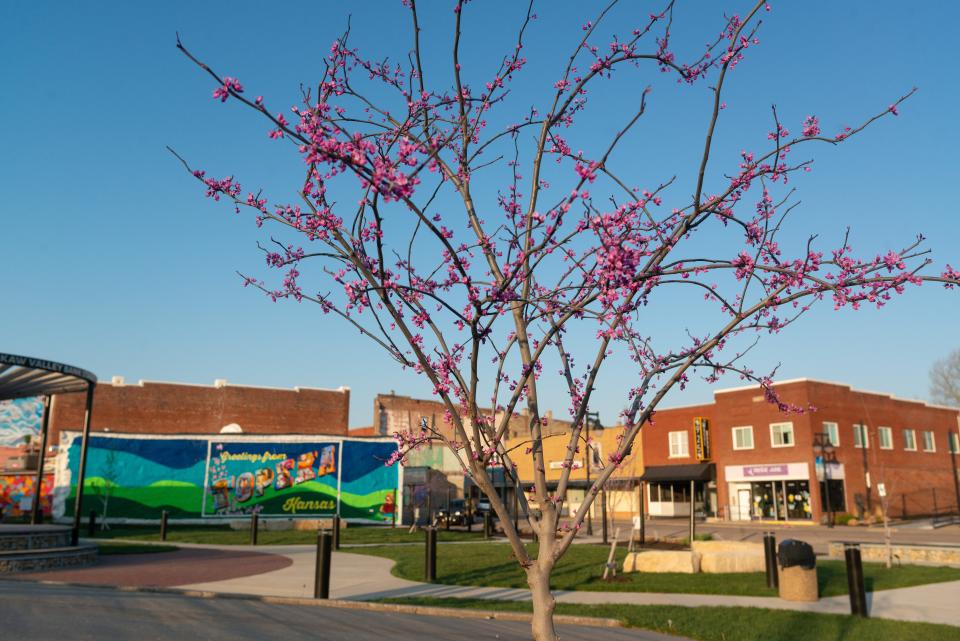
[
  {"x": 704, "y": 547},
  {"x": 659, "y": 561},
  {"x": 723, "y": 562}
]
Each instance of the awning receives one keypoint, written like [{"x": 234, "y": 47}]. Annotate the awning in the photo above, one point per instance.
[
  {"x": 692, "y": 472},
  {"x": 24, "y": 376}
]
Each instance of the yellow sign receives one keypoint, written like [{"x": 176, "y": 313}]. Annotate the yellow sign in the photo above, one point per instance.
[{"x": 701, "y": 437}]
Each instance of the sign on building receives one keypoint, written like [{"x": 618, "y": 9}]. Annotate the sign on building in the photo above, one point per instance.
[{"x": 701, "y": 437}]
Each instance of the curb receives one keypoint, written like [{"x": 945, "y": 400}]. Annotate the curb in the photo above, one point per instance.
[{"x": 424, "y": 610}]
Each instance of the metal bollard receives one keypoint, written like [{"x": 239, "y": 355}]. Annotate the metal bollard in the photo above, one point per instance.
[
  {"x": 430, "y": 569},
  {"x": 321, "y": 585},
  {"x": 770, "y": 556},
  {"x": 336, "y": 532},
  {"x": 487, "y": 525},
  {"x": 254, "y": 526},
  {"x": 92, "y": 524},
  {"x": 163, "y": 525},
  {"x": 858, "y": 594}
]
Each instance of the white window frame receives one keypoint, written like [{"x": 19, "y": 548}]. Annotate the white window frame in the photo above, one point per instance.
[
  {"x": 889, "y": 432},
  {"x": 749, "y": 430},
  {"x": 832, "y": 430},
  {"x": 933, "y": 440},
  {"x": 793, "y": 436},
  {"x": 953, "y": 442},
  {"x": 913, "y": 438},
  {"x": 683, "y": 452},
  {"x": 861, "y": 433}
]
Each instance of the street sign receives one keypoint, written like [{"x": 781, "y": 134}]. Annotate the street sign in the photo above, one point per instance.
[{"x": 881, "y": 490}]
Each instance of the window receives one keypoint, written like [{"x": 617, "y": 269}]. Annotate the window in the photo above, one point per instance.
[
  {"x": 885, "y": 435},
  {"x": 910, "y": 440},
  {"x": 833, "y": 433},
  {"x": 928, "y": 443},
  {"x": 781, "y": 434},
  {"x": 954, "y": 443},
  {"x": 861, "y": 436},
  {"x": 743, "y": 438},
  {"x": 679, "y": 445}
]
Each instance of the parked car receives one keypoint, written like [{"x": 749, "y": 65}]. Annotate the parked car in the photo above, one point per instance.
[{"x": 456, "y": 514}]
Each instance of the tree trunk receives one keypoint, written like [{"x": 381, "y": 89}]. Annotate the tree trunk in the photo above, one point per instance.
[{"x": 543, "y": 605}]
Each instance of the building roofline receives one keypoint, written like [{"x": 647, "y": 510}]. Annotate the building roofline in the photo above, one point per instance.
[
  {"x": 297, "y": 388},
  {"x": 836, "y": 384}
]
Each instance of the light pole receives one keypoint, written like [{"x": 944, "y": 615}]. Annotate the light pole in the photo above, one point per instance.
[
  {"x": 594, "y": 418},
  {"x": 825, "y": 451}
]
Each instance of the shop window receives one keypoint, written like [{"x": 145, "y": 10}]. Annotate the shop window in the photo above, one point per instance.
[
  {"x": 928, "y": 443},
  {"x": 910, "y": 440},
  {"x": 781, "y": 435},
  {"x": 954, "y": 443},
  {"x": 832, "y": 431},
  {"x": 885, "y": 436},
  {"x": 679, "y": 445},
  {"x": 743, "y": 438}
]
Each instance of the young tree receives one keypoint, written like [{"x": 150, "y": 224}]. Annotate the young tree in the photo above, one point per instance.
[{"x": 487, "y": 290}]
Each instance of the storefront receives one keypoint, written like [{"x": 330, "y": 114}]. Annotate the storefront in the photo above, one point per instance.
[
  {"x": 673, "y": 490},
  {"x": 777, "y": 492}
]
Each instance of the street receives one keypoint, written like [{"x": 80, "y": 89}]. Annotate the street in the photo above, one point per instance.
[{"x": 37, "y": 612}]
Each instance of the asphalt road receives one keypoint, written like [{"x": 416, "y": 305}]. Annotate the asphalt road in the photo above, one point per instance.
[{"x": 37, "y": 612}]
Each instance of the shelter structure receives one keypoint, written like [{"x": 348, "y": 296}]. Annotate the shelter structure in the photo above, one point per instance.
[{"x": 26, "y": 376}]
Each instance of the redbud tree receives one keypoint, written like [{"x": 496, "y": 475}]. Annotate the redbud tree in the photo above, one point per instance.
[{"x": 486, "y": 289}]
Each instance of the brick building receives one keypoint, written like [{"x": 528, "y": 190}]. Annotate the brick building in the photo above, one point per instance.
[
  {"x": 764, "y": 464},
  {"x": 175, "y": 408}
]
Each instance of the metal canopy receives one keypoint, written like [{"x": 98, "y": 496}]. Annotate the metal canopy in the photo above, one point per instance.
[
  {"x": 694, "y": 472},
  {"x": 24, "y": 376}
]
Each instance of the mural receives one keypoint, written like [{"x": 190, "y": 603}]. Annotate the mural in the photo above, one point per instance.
[
  {"x": 16, "y": 494},
  {"x": 292, "y": 479},
  {"x": 135, "y": 477},
  {"x": 138, "y": 476},
  {"x": 20, "y": 418}
]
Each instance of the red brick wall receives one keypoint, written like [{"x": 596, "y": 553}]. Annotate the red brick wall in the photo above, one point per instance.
[
  {"x": 170, "y": 408},
  {"x": 913, "y": 480}
]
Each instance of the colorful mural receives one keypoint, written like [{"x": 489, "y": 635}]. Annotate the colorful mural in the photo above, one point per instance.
[
  {"x": 271, "y": 478},
  {"x": 16, "y": 494},
  {"x": 138, "y": 476},
  {"x": 19, "y": 419}
]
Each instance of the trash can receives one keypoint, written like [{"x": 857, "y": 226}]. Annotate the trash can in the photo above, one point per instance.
[{"x": 798, "y": 571}]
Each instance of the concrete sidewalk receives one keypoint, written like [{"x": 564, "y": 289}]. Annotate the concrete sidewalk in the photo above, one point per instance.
[{"x": 362, "y": 577}]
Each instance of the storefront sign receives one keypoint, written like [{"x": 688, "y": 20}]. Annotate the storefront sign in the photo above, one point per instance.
[
  {"x": 770, "y": 472},
  {"x": 701, "y": 436}
]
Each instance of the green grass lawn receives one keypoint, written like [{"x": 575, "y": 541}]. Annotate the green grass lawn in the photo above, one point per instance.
[
  {"x": 223, "y": 535},
  {"x": 493, "y": 565},
  {"x": 729, "y": 624},
  {"x": 120, "y": 547}
]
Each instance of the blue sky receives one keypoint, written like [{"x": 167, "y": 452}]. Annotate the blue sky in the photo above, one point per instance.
[{"x": 114, "y": 261}]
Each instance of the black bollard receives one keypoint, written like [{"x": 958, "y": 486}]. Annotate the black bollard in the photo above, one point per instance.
[
  {"x": 254, "y": 526},
  {"x": 770, "y": 556},
  {"x": 92, "y": 524},
  {"x": 321, "y": 585},
  {"x": 163, "y": 525},
  {"x": 430, "y": 569},
  {"x": 336, "y": 532},
  {"x": 858, "y": 594},
  {"x": 487, "y": 525}
]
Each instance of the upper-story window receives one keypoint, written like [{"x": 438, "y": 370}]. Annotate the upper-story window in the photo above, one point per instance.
[
  {"x": 679, "y": 444},
  {"x": 954, "y": 443},
  {"x": 781, "y": 435},
  {"x": 861, "y": 436},
  {"x": 743, "y": 438},
  {"x": 832, "y": 431},
  {"x": 885, "y": 436},
  {"x": 929, "y": 445},
  {"x": 910, "y": 440}
]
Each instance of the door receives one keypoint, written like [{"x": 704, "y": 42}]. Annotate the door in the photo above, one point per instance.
[{"x": 744, "y": 503}]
